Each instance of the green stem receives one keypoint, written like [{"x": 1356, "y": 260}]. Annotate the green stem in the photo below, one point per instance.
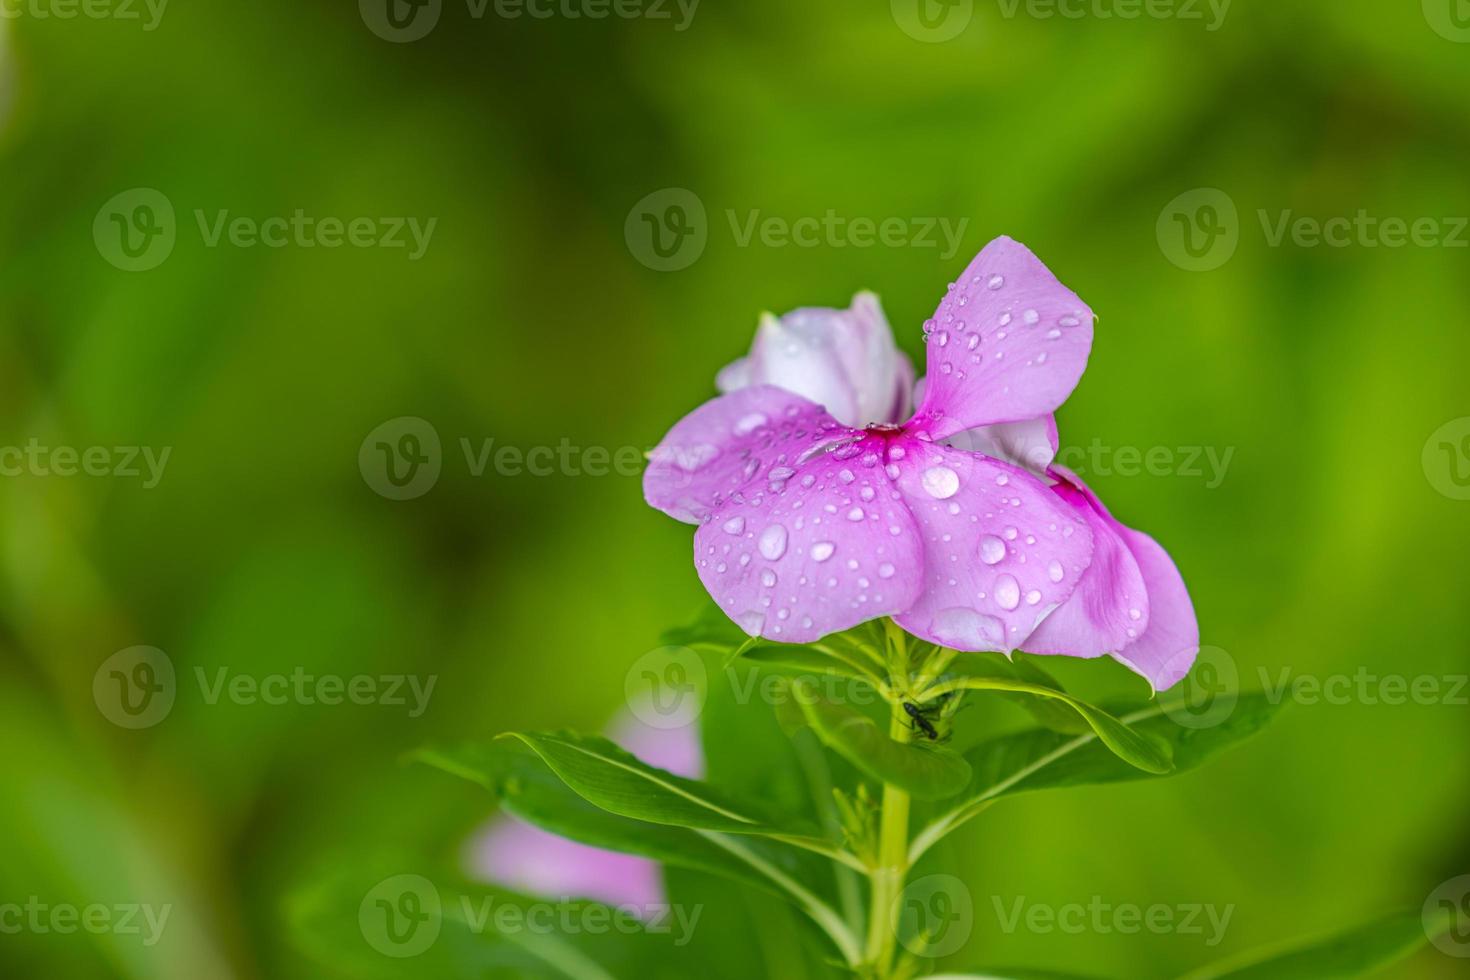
[{"x": 888, "y": 876}]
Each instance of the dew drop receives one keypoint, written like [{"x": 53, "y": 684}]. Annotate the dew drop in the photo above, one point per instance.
[
  {"x": 749, "y": 423},
  {"x": 1054, "y": 571},
  {"x": 822, "y": 550},
  {"x": 772, "y": 542},
  {"x": 1007, "y": 592},
  {"x": 941, "y": 482},
  {"x": 768, "y": 578},
  {"x": 735, "y": 525},
  {"x": 886, "y": 570}
]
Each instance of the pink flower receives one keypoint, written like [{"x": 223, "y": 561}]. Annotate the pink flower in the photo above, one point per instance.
[
  {"x": 808, "y": 526},
  {"x": 538, "y": 862},
  {"x": 844, "y": 360}
]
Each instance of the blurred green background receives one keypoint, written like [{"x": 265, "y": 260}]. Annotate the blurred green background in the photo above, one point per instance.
[{"x": 1327, "y": 547}]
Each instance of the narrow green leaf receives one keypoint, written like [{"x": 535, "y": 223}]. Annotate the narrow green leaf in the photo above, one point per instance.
[
  {"x": 1137, "y": 750},
  {"x": 928, "y": 772},
  {"x": 528, "y": 789},
  {"x": 619, "y": 782},
  {"x": 1041, "y": 759},
  {"x": 1353, "y": 953}
]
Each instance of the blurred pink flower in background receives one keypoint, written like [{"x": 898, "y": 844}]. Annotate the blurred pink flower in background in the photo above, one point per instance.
[{"x": 508, "y": 851}]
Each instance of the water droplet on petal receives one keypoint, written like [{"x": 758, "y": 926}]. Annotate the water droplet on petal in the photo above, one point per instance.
[
  {"x": 749, "y": 423},
  {"x": 996, "y": 282},
  {"x": 1134, "y": 614},
  {"x": 822, "y": 550},
  {"x": 886, "y": 570},
  {"x": 941, "y": 482},
  {"x": 1007, "y": 592},
  {"x": 768, "y": 578},
  {"x": 735, "y": 525},
  {"x": 772, "y": 542},
  {"x": 992, "y": 549},
  {"x": 1054, "y": 571},
  {"x": 1033, "y": 597},
  {"x": 1031, "y": 318},
  {"x": 856, "y": 514}
]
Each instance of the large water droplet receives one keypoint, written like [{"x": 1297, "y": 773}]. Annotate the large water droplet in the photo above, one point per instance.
[
  {"x": 749, "y": 423},
  {"x": 941, "y": 482},
  {"x": 1007, "y": 592},
  {"x": 1054, "y": 571},
  {"x": 992, "y": 549},
  {"x": 822, "y": 550},
  {"x": 772, "y": 542},
  {"x": 735, "y": 525}
]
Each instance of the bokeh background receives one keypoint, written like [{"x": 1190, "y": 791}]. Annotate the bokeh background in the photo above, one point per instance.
[{"x": 1331, "y": 545}]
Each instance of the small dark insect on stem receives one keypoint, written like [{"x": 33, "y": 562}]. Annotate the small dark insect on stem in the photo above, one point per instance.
[{"x": 918, "y": 719}]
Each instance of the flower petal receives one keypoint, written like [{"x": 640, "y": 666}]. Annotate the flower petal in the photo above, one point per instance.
[
  {"x": 844, "y": 360},
  {"x": 1132, "y": 602},
  {"x": 728, "y": 442},
  {"x": 1110, "y": 608},
  {"x": 1000, "y": 549},
  {"x": 1008, "y": 343},
  {"x": 538, "y": 862},
  {"x": 1031, "y": 445},
  {"x": 1166, "y": 650},
  {"x": 829, "y": 546}
]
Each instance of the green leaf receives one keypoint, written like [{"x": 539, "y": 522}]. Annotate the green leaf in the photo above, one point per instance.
[
  {"x": 710, "y": 630},
  {"x": 528, "y": 789},
  {"x": 1136, "y": 749},
  {"x": 1048, "y": 712},
  {"x": 928, "y": 772},
  {"x": 792, "y": 658},
  {"x": 354, "y": 922},
  {"x": 619, "y": 782},
  {"x": 1354, "y": 953},
  {"x": 1041, "y": 759}
]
